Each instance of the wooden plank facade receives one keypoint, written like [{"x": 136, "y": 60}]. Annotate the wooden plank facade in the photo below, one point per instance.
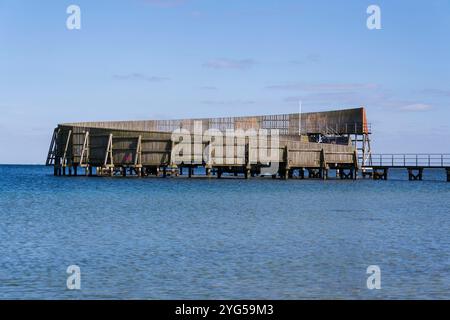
[{"x": 148, "y": 147}]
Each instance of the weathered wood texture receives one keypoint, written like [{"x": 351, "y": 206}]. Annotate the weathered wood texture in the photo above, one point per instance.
[
  {"x": 349, "y": 121},
  {"x": 104, "y": 147},
  {"x": 315, "y": 155}
]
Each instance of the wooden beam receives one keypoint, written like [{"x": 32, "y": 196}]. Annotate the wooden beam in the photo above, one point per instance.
[
  {"x": 52, "y": 149},
  {"x": 109, "y": 151},
  {"x": 138, "y": 156},
  {"x": 85, "y": 149},
  {"x": 66, "y": 148}
]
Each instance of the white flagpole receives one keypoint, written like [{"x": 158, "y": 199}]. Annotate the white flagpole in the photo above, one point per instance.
[{"x": 299, "y": 117}]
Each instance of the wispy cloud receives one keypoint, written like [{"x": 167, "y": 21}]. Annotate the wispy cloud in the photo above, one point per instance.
[
  {"x": 323, "y": 87},
  {"x": 210, "y": 88},
  {"x": 417, "y": 107},
  {"x": 165, "y": 3},
  {"x": 437, "y": 92},
  {"x": 376, "y": 97},
  {"x": 196, "y": 14},
  {"x": 334, "y": 94},
  {"x": 139, "y": 77},
  {"x": 310, "y": 58},
  {"x": 336, "y": 98},
  {"x": 228, "y": 102},
  {"x": 241, "y": 64}
]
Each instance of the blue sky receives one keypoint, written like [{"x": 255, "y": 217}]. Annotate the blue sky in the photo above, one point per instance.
[{"x": 141, "y": 59}]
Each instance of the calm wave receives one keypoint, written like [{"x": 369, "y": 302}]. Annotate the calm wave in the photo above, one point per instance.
[{"x": 222, "y": 239}]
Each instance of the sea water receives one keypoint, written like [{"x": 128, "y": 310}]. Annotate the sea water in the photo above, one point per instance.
[{"x": 177, "y": 238}]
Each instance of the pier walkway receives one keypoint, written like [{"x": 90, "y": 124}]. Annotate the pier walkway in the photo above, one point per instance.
[{"x": 415, "y": 164}]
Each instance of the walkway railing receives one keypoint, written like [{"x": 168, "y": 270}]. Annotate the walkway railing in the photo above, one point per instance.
[{"x": 411, "y": 160}]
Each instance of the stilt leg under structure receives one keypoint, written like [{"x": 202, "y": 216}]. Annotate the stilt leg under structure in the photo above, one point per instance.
[
  {"x": 365, "y": 173},
  {"x": 314, "y": 173},
  {"x": 415, "y": 174},
  {"x": 247, "y": 172},
  {"x": 346, "y": 173},
  {"x": 380, "y": 174}
]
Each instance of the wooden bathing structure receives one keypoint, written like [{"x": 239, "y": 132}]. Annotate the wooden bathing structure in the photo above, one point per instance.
[{"x": 308, "y": 145}]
